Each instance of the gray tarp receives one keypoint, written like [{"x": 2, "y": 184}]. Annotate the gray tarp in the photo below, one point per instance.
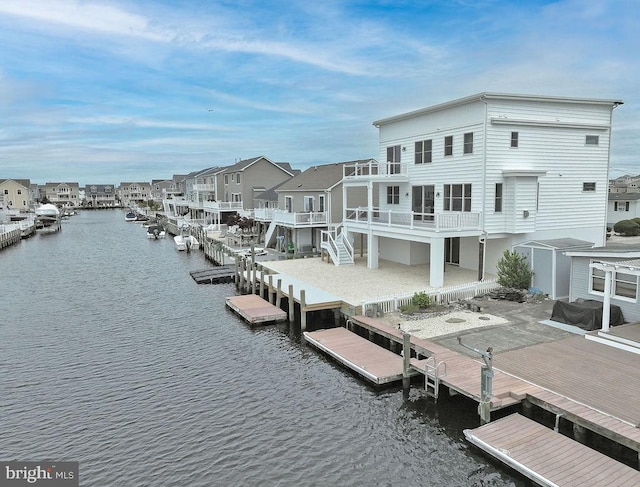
[{"x": 585, "y": 314}]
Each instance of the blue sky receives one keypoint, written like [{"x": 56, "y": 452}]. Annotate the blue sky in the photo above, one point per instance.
[{"x": 101, "y": 91}]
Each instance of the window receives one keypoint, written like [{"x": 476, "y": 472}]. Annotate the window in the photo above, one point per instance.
[
  {"x": 497, "y": 207},
  {"x": 592, "y": 140},
  {"x": 588, "y": 186},
  {"x": 308, "y": 204},
  {"x": 19, "y": 191},
  {"x": 457, "y": 197},
  {"x": 393, "y": 159},
  {"x": 514, "y": 139},
  {"x": 423, "y": 151},
  {"x": 620, "y": 206},
  {"x": 597, "y": 280},
  {"x": 226, "y": 179},
  {"x": 468, "y": 143},
  {"x": 238, "y": 178},
  {"x": 6, "y": 191},
  {"x": 321, "y": 203},
  {"x": 288, "y": 204},
  {"x": 625, "y": 285},
  {"x": 393, "y": 195},
  {"x": 448, "y": 145}
]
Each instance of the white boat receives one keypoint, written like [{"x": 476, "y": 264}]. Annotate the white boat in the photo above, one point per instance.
[
  {"x": 130, "y": 216},
  {"x": 186, "y": 242},
  {"x": 48, "y": 210},
  {"x": 155, "y": 232}
]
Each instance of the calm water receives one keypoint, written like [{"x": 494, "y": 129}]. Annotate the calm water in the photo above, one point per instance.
[{"x": 112, "y": 356}]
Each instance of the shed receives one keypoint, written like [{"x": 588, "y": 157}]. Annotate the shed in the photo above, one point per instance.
[{"x": 552, "y": 269}]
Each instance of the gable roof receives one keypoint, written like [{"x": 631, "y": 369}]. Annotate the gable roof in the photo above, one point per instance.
[
  {"x": 270, "y": 194},
  {"x": 624, "y": 196},
  {"x": 23, "y": 182},
  {"x": 318, "y": 178},
  {"x": 246, "y": 163}
]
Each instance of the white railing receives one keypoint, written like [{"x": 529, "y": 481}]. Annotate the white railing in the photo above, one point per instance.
[
  {"x": 446, "y": 220},
  {"x": 204, "y": 187},
  {"x": 264, "y": 214},
  {"x": 222, "y": 205},
  {"x": 374, "y": 169},
  {"x": 305, "y": 219},
  {"x": 328, "y": 243},
  {"x": 449, "y": 294}
]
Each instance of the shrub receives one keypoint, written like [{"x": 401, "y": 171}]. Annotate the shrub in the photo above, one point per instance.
[
  {"x": 421, "y": 300},
  {"x": 514, "y": 271},
  {"x": 627, "y": 227}
]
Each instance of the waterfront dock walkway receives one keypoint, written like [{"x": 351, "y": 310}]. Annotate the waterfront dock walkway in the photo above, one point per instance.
[
  {"x": 214, "y": 275},
  {"x": 255, "y": 310},
  {"x": 374, "y": 363},
  {"x": 547, "y": 457}
]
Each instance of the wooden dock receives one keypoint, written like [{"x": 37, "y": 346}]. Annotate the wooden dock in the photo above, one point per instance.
[
  {"x": 255, "y": 310},
  {"x": 374, "y": 363},
  {"x": 214, "y": 275},
  {"x": 547, "y": 457}
]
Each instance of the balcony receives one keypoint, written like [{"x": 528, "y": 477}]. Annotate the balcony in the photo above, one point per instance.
[
  {"x": 204, "y": 187},
  {"x": 376, "y": 171},
  {"x": 446, "y": 221},
  {"x": 222, "y": 205},
  {"x": 296, "y": 220}
]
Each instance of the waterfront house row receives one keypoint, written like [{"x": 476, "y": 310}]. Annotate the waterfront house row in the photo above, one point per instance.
[{"x": 465, "y": 180}]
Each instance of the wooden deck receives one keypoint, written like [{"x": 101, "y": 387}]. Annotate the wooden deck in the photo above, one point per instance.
[
  {"x": 462, "y": 372},
  {"x": 376, "y": 364},
  {"x": 549, "y": 458},
  {"x": 255, "y": 310}
]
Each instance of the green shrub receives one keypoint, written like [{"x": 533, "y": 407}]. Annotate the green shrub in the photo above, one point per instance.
[
  {"x": 636, "y": 220},
  {"x": 627, "y": 227},
  {"x": 421, "y": 300},
  {"x": 514, "y": 271}
]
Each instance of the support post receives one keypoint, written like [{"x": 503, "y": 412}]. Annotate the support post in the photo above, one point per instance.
[
  {"x": 262, "y": 283},
  {"x": 406, "y": 362},
  {"x": 270, "y": 290},
  {"x": 253, "y": 268},
  {"x": 292, "y": 305},
  {"x": 303, "y": 312},
  {"x": 279, "y": 292},
  {"x": 237, "y": 264}
]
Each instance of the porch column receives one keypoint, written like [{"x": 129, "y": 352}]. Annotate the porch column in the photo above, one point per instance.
[
  {"x": 606, "y": 304},
  {"x": 372, "y": 251},
  {"x": 436, "y": 265}
]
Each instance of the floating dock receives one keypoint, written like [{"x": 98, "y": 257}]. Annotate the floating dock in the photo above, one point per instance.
[
  {"x": 374, "y": 363},
  {"x": 214, "y": 275},
  {"x": 255, "y": 310},
  {"x": 547, "y": 457}
]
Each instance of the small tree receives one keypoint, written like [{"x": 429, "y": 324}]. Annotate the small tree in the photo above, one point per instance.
[
  {"x": 514, "y": 271},
  {"x": 627, "y": 227}
]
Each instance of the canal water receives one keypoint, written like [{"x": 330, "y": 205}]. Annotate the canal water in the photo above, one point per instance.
[{"x": 112, "y": 356}]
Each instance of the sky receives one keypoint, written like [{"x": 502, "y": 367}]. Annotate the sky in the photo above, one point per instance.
[{"x": 103, "y": 92}]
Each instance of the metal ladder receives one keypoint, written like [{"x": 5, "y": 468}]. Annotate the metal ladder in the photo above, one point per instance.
[{"x": 433, "y": 371}]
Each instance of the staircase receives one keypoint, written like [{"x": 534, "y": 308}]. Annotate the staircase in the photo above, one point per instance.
[
  {"x": 270, "y": 233},
  {"x": 338, "y": 247}
]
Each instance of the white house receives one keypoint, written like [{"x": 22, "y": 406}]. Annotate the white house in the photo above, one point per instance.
[
  {"x": 464, "y": 180},
  {"x": 622, "y": 206}
]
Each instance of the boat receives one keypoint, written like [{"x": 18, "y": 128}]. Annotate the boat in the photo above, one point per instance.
[
  {"x": 186, "y": 242},
  {"x": 155, "y": 232},
  {"x": 141, "y": 218},
  {"x": 48, "y": 217},
  {"x": 130, "y": 217}
]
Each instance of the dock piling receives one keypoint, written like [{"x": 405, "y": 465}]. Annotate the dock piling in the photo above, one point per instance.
[
  {"x": 292, "y": 305},
  {"x": 303, "y": 312}
]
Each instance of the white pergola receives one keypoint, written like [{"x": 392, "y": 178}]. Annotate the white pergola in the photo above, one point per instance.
[{"x": 631, "y": 267}]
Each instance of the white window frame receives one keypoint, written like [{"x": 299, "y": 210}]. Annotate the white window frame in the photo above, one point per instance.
[
  {"x": 322, "y": 207},
  {"x": 448, "y": 148},
  {"x": 515, "y": 140},
  {"x": 288, "y": 204},
  {"x": 592, "y": 140},
  {"x": 598, "y": 274},
  {"x": 423, "y": 155},
  {"x": 393, "y": 195},
  {"x": 588, "y": 187},
  {"x": 467, "y": 146},
  {"x": 309, "y": 204}
]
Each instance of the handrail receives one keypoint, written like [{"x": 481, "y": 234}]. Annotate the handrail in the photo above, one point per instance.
[{"x": 445, "y": 220}]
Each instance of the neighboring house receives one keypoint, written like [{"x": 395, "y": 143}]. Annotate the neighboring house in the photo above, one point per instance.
[
  {"x": 465, "y": 180},
  {"x": 160, "y": 188},
  {"x": 100, "y": 195},
  {"x": 589, "y": 269},
  {"x": 200, "y": 192},
  {"x": 134, "y": 194},
  {"x": 63, "y": 194},
  {"x": 15, "y": 195},
  {"x": 625, "y": 184},
  {"x": 246, "y": 179},
  {"x": 307, "y": 204},
  {"x": 622, "y": 206}
]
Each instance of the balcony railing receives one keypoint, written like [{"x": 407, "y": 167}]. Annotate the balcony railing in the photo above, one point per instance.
[
  {"x": 374, "y": 169},
  {"x": 204, "y": 187},
  {"x": 264, "y": 214},
  {"x": 446, "y": 220},
  {"x": 307, "y": 219},
  {"x": 222, "y": 205}
]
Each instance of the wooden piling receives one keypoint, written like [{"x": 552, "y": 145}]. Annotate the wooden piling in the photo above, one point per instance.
[
  {"x": 406, "y": 364},
  {"x": 270, "y": 290},
  {"x": 303, "y": 313},
  {"x": 292, "y": 305},
  {"x": 279, "y": 292}
]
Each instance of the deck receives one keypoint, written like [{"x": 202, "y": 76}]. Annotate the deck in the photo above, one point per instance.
[
  {"x": 547, "y": 457},
  {"x": 214, "y": 275},
  {"x": 255, "y": 310},
  {"x": 374, "y": 363}
]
